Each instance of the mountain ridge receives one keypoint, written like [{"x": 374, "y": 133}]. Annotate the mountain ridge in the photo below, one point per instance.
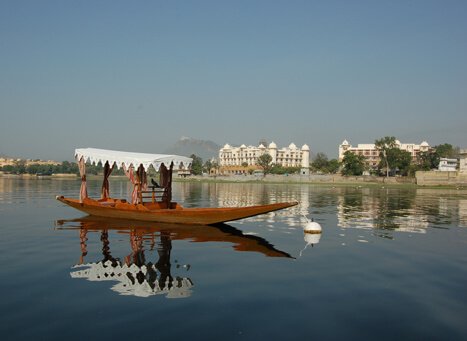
[{"x": 187, "y": 146}]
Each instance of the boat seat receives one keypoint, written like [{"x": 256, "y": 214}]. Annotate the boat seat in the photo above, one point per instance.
[{"x": 156, "y": 194}]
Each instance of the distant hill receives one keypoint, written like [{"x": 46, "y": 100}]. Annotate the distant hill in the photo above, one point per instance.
[{"x": 187, "y": 146}]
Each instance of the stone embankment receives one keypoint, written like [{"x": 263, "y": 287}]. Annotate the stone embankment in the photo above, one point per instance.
[
  {"x": 431, "y": 178},
  {"x": 434, "y": 178},
  {"x": 312, "y": 178}
]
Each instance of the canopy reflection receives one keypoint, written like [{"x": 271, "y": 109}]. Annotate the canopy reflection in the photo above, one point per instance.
[{"x": 135, "y": 275}]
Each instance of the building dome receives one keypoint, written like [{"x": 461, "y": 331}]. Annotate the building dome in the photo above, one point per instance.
[
  {"x": 227, "y": 146},
  {"x": 424, "y": 144},
  {"x": 272, "y": 145},
  {"x": 345, "y": 143},
  {"x": 242, "y": 146},
  {"x": 261, "y": 146},
  {"x": 305, "y": 147},
  {"x": 292, "y": 146},
  {"x": 398, "y": 143}
]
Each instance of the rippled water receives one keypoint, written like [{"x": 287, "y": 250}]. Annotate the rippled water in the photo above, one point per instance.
[{"x": 390, "y": 263}]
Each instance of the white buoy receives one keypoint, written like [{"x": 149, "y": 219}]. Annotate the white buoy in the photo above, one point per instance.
[
  {"x": 312, "y": 227},
  {"x": 312, "y": 238},
  {"x": 312, "y": 234}
]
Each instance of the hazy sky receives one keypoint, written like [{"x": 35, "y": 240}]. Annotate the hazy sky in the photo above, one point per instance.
[{"x": 138, "y": 75}]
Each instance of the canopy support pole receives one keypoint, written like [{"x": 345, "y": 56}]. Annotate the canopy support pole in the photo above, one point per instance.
[
  {"x": 166, "y": 183},
  {"x": 83, "y": 192},
  {"x": 141, "y": 182},
  {"x": 169, "y": 185}
]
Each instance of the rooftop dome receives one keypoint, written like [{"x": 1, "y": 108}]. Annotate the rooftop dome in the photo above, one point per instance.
[
  {"x": 305, "y": 147},
  {"x": 226, "y": 146},
  {"x": 262, "y": 146},
  {"x": 272, "y": 145},
  {"x": 345, "y": 143},
  {"x": 424, "y": 144},
  {"x": 242, "y": 146},
  {"x": 292, "y": 146}
]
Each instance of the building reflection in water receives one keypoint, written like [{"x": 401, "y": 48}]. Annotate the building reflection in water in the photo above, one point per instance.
[
  {"x": 246, "y": 194},
  {"x": 138, "y": 276},
  {"x": 462, "y": 212},
  {"x": 384, "y": 209},
  {"x": 404, "y": 210},
  {"x": 371, "y": 207}
]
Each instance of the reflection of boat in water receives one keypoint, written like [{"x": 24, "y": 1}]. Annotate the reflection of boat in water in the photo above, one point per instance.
[
  {"x": 151, "y": 203},
  {"x": 135, "y": 275}
]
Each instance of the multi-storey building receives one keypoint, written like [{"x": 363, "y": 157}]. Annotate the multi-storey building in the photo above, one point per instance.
[
  {"x": 371, "y": 154},
  {"x": 463, "y": 160},
  {"x": 239, "y": 160}
]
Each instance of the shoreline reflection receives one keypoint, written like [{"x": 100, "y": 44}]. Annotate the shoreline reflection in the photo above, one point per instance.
[{"x": 135, "y": 273}]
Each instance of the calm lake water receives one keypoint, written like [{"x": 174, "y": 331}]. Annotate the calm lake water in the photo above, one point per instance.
[{"x": 391, "y": 263}]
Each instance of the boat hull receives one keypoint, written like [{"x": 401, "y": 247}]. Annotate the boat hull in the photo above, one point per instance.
[{"x": 178, "y": 215}]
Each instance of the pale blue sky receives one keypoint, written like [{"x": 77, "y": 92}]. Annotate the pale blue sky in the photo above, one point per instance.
[{"x": 138, "y": 75}]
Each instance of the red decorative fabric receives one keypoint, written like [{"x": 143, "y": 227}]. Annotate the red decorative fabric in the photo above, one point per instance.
[
  {"x": 142, "y": 178},
  {"x": 130, "y": 175},
  {"x": 105, "y": 185},
  {"x": 83, "y": 192},
  {"x": 164, "y": 176}
]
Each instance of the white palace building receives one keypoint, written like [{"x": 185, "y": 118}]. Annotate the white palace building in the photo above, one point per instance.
[
  {"x": 239, "y": 160},
  {"x": 371, "y": 154}
]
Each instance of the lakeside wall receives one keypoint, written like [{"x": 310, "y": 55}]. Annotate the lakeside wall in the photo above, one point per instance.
[
  {"x": 429, "y": 178},
  {"x": 441, "y": 178},
  {"x": 313, "y": 178}
]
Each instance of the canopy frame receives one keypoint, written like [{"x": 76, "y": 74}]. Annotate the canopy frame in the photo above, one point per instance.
[{"x": 135, "y": 166}]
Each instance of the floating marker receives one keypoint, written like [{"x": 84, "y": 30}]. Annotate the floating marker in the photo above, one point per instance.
[{"x": 312, "y": 227}]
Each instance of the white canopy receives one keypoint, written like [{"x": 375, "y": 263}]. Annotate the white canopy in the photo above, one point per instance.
[{"x": 95, "y": 156}]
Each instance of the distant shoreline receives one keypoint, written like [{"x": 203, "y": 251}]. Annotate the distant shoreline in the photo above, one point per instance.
[{"x": 317, "y": 180}]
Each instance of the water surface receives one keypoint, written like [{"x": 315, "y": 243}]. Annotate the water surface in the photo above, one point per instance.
[{"x": 390, "y": 263}]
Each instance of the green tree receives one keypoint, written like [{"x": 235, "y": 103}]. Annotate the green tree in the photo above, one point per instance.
[
  {"x": 39, "y": 169},
  {"x": 9, "y": 169},
  {"x": 216, "y": 167},
  {"x": 279, "y": 169},
  {"x": 320, "y": 163},
  {"x": 384, "y": 145},
  {"x": 446, "y": 150},
  {"x": 353, "y": 164},
  {"x": 207, "y": 166},
  {"x": 427, "y": 160},
  {"x": 401, "y": 159},
  {"x": 20, "y": 166},
  {"x": 430, "y": 159},
  {"x": 196, "y": 165},
  {"x": 333, "y": 166},
  {"x": 265, "y": 162}
]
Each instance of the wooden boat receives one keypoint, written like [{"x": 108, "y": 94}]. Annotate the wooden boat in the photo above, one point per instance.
[{"x": 151, "y": 203}]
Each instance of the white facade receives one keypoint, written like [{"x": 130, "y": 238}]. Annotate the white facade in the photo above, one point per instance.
[
  {"x": 371, "y": 154},
  {"x": 447, "y": 165},
  {"x": 12, "y": 162},
  {"x": 463, "y": 161},
  {"x": 290, "y": 156}
]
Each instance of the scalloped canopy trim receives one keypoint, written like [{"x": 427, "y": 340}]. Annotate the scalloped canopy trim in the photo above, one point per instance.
[{"x": 119, "y": 158}]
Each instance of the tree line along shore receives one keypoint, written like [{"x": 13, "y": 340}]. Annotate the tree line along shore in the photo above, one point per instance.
[
  {"x": 395, "y": 167},
  {"x": 422, "y": 179}
]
